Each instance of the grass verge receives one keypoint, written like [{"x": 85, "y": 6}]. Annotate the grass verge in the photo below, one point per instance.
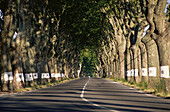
[{"x": 143, "y": 86}]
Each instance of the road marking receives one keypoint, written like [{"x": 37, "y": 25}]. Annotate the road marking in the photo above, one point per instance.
[{"x": 82, "y": 97}]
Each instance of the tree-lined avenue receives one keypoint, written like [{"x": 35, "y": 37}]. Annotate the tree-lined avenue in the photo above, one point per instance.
[{"x": 66, "y": 98}]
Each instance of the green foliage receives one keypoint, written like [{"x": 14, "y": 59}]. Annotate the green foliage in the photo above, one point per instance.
[
  {"x": 123, "y": 79},
  {"x": 159, "y": 86},
  {"x": 95, "y": 76},
  {"x": 132, "y": 82},
  {"x": 144, "y": 85},
  {"x": 84, "y": 24},
  {"x": 116, "y": 79},
  {"x": 88, "y": 58}
]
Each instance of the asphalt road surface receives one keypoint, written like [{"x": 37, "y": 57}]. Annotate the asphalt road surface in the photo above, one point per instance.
[{"x": 84, "y": 95}]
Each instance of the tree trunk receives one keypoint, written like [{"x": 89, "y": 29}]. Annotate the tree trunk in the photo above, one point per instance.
[
  {"x": 122, "y": 66},
  {"x": 139, "y": 64},
  {"x": 164, "y": 46},
  {"x": 6, "y": 35},
  {"x": 144, "y": 62},
  {"x": 153, "y": 59}
]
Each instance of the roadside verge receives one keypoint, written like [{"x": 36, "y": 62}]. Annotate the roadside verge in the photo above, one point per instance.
[{"x": 142, "y": 88}]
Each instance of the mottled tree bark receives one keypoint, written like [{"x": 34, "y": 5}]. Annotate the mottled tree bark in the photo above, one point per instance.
[
  {"x": 163, "y": 43},
  {"x": 7, "y": 36},
  {"x": 152, "y": 53}
]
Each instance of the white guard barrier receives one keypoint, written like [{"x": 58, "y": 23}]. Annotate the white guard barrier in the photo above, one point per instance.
[
  {"x": 20, "y": 77},
  {"x": 144, "y": 71},
  {"x": 164, "y": 71},
  {"x": 128, "y": 73},
  {"x": 53, "y": 75},
  {"x": 136, "y": 72},
  {"x": 29, "y": 77},
  {"x": 7, "y": 76},
  {"x": 152, "y": 71},
  {"x": 132, "y": 72},
  {"x": 35, "y": 75},
  {"x": 45, "y": 75},
  {"x": 62, "y": 75},
  {"x": 57, "y": 75}
]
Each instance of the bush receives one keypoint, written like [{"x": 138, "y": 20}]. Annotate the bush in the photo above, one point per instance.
[
  {"x": 144, "y": 85},
  {"x": 160, "y": 86},
  {"x": 123, "y": 79},
  {"x": 139, "y": 84},
  {"x": 132, "y": 82}
]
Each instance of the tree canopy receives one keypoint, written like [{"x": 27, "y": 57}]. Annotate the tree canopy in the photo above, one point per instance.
[{"x": 104, "y": 36}]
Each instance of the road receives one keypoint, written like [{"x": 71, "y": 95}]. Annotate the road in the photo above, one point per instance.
[{"x": 84, "y": 95}]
